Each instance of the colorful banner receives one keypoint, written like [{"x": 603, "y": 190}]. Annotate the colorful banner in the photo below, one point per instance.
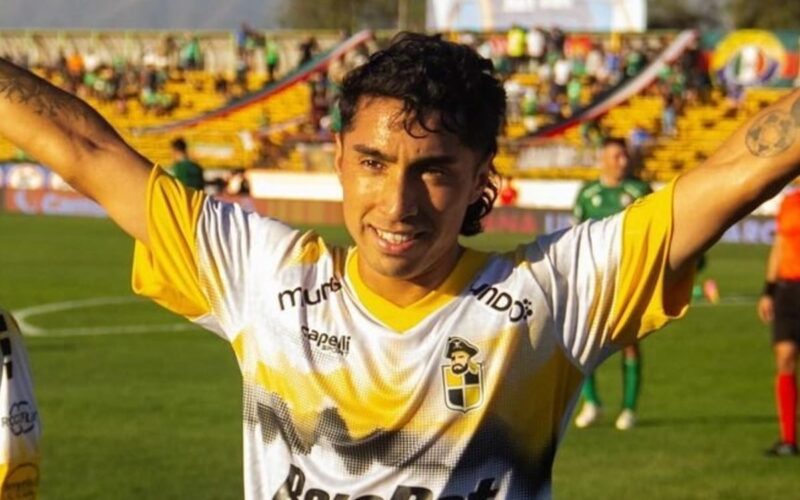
[
  {"x": 48, "y": 202},
  {"x": 753, "y": 58}
]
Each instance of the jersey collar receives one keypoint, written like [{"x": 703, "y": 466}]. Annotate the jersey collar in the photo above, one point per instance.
[{"x": 402, "y": 319}]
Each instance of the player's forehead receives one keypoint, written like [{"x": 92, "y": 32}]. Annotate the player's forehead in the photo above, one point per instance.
[
  {"x": 383, "y": 123},
  {"x": 614, "y": 149}
]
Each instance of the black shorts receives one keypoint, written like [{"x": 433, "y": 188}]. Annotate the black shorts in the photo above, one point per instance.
[{"x": 787, "y": 312}]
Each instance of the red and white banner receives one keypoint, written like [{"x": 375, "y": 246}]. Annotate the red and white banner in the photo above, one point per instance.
[{"x": 48, "y": 202}]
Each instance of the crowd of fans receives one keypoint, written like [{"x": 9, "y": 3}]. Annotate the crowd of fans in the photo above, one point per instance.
[
  {"x": 111, "y": 78},
  {"x": 564, "y": 72},
  {"x": 549, "y": 76},
  {"x": 568, "y": 72}
]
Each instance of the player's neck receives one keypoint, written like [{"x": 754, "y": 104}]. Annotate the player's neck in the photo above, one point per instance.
[
  {"x": 610, "y": 181},
  {"x": 404, "y": 292}
]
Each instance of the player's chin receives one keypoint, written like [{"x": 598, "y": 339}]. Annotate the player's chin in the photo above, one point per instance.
[{"x": 400, "y": 266}]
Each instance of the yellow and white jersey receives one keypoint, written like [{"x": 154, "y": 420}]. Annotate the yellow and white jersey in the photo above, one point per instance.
[{"x": 464, "y": 394}]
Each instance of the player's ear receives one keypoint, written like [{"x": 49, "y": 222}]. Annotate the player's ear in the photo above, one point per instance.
[
  {"x": 339, "y": 153},
  {"x": 482, "y": 177}
]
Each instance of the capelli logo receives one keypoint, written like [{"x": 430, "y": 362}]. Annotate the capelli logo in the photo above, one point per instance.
[
  {"x": 304, "y": 297},
  {"x": 518, "y": 310},
  {"x": 339, "y": 344}
]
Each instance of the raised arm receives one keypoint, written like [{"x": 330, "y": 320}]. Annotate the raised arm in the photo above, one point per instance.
[
  {"x": 748, "y": 169},
  {"x": 70, "y": 137}
]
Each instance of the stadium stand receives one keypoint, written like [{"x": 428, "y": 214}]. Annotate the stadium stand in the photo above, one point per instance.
[{"x": 233, "y": 116}]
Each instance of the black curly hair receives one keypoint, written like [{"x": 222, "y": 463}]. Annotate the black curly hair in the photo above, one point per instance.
[{"x": 434, "y": 76}]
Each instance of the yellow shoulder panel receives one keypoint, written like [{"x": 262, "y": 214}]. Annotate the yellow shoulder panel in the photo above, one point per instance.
[
  {"x": 642, "y": 304},
  {"x": 166, "y": 271}
]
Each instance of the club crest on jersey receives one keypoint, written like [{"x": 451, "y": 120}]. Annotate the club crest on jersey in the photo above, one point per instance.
[{"x": 462, "y": 376}]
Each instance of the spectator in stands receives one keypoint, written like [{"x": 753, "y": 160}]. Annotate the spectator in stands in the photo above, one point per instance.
[
  {"x": 574, "y": 94},
  {"x": 635, "y": 59},
  {"x": 241, "y": 76},
  {"x": 669, "y": 114},
  {"x": 691, "y": 64},
  {"x": 184, "y": 169},
  {"x": 556, "y": 41},
  {"x": 91, "y": 61},
  {"x": 530, "y": 110},
  {"x": 221, "y": 86},
  {"x": 246, "y": 39},
  {"x": 190, "y": 56},
  {"x": 515, "y": 47},
  {"x": 74, "y": 66},
  {"x": 535, "y": 43},
  {"x": 562, "y": 72},
  {"x": 308, "y": 48},
  {"x": 320, "y": 102},
  {"x": 592, "y": 134},
  {"x": 272, "y": 57},
  {"x": 594, "y": 61}
]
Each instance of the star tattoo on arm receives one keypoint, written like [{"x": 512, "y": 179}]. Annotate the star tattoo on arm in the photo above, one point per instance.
[{"x": 774, "y": 133}]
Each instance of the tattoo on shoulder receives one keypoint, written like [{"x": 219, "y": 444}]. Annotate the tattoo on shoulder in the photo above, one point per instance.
[
  {"x": 773, "y": 133},
  {"x": 21, "y": 87}
]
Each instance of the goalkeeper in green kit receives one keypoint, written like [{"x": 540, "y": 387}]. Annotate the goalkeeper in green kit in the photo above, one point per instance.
[{"x": 608, "y": 195}]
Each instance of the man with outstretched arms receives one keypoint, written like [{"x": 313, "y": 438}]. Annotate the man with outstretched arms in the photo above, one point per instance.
[
  {"x": 610, "y": 194},
  {"x": 406, "y": 366}
]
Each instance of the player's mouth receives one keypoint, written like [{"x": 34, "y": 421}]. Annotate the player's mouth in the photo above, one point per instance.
[{"x": 395, "y": 242}]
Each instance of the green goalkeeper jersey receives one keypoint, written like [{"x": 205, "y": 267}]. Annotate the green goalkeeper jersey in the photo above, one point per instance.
[{"x": 596, "y": 201}]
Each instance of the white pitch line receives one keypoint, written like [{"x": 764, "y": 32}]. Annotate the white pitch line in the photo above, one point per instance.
[
  {"x": 731, "y": 300},
  {"x": 22, "y": 315}
]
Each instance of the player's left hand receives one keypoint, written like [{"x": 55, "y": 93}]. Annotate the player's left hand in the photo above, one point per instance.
[{"x": 766, "y": 309}]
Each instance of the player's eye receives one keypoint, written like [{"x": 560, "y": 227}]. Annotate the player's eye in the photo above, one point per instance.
[
  {"x": 437, "y": 174},
  {"x": 371, "y": 164}
]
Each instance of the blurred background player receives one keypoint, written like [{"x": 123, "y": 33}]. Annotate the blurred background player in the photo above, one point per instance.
[
  {"x": 780, "y": 306},
  {"x": 184, "y": 169},
  {"x": 608, "y": 195}
]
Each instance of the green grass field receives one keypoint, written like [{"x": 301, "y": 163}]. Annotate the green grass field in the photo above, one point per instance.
[{"x": 157, "y": 414}]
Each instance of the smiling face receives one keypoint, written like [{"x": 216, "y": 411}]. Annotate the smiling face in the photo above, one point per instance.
[{"x": 405, "y": 196}]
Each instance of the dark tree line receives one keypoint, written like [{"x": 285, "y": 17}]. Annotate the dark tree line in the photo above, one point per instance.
[{"x": 353, "y": 15}]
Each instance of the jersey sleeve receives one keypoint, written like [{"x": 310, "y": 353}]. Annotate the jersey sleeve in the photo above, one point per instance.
[
  {"x": 197, "y": 263},
  {"x": 605, "y": 280}
]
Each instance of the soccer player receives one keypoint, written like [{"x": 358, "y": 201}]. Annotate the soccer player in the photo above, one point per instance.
[
  {"x": 353, "y": 383},
  {"x": 185, "y": 169},
  {"x": 780, "y": 305},
  {"x": 610, "y": 194}
]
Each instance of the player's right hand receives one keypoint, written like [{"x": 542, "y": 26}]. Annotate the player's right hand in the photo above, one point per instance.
[{"x": 766, "y": 309}]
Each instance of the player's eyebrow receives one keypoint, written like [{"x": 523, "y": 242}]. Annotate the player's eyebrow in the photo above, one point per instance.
[
  {"x": 424, "y": 161},
  {"x": 434, "y": 161},
  {"x": 374, "y": 153}
]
